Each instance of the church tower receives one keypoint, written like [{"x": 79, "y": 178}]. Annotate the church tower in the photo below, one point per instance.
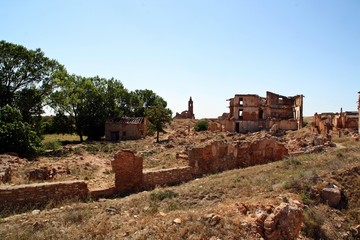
[{"x": 190, "y": 109}]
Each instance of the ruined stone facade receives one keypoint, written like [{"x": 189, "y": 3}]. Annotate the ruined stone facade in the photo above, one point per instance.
[
  {"x": 251, "y": 113},
  {"x": 126, "y": 128},
  {"x": 325, "y": 122},
  {"x": 189, "y": 114}
]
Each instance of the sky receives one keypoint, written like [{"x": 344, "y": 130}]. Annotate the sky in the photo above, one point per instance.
[{"x": 207, "y": 49}]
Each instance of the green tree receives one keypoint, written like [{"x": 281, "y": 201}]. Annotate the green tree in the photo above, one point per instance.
[
  {"x": 62, "y": 124},
  {"x": 26, "y": 78},
  {"x": 140, "y": 100},
  {"x": 201, "y": 125},
  {"x": 158, "y": 116},
  {"x": 89, "y": 102},
  {"x": 16, "y": 135}
]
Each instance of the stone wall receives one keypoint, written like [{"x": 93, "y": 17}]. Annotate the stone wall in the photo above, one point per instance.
[
  {"x": 171, "y": 176},
  {"x": 128, "y": 171},
  {"x": 216, "y": 157},
  {"x": 129, "y": 175},
  {"x": 220, "y": 156},
  {"x": 20, "y": 196}
]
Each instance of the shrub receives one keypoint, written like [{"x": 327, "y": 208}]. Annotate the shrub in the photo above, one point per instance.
[
  {"x": 16, "y": 135},
  {"x": 312, "y": 224},
  {"x": 201, "y": 125}
]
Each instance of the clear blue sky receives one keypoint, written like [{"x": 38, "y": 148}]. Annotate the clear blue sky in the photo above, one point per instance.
[{"x": 207, "y": 49}]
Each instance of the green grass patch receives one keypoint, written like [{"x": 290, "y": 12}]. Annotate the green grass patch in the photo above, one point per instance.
[{"x": 60, "y": 138}]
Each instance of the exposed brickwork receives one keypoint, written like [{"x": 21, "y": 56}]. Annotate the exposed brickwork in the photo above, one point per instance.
[
  {"x": 129, "y": 175},
  {"x": 251, "y": 113},
  {"x": 128, "y": 171},
  {"x": 220, "y": 156},
  {"x": 36, "y": 194},
  {"x": 167, "y": 177}
]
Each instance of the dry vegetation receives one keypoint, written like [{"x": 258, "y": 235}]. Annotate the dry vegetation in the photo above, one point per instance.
[{"x": 187, "y": 211}]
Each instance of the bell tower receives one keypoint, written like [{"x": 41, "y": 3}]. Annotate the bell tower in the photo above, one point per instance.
[{"x": 191, "y": 109}]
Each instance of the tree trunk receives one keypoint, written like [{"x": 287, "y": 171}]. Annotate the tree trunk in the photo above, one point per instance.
[{"x": 157, "y": 136}]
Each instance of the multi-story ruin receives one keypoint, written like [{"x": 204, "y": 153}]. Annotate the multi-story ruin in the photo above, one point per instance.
[
  {"x": 251, "y": 113},
  {"x": 189, "y": 114}
]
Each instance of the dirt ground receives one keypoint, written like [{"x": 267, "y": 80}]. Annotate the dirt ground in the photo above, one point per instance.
[
  {"x": 184, "y": 214},
  {"x": 91, "y": 161}
]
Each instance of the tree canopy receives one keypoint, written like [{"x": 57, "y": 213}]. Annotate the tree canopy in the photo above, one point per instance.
[
  {"x": 16, "y": 135},
  {"x": 29, "y": 80},
  {"x": 158, "y": 116},
  {"x": 26, "y": 78}
]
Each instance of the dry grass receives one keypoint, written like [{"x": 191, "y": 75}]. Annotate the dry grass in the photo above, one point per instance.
[
  {"x": 150, "y": 215},
  {"x": 60, "y": 138}
]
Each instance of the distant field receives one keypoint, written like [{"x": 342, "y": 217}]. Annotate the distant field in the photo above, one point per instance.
[
  {"x": 60, "y": 137},
  {"x": 308, "y": 118}
]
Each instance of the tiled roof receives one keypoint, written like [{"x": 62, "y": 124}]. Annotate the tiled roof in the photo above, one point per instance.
[{"x": 127, "y": 120}]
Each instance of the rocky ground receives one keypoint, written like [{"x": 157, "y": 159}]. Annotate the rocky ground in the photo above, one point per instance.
[{"x": 321, "y": 180}]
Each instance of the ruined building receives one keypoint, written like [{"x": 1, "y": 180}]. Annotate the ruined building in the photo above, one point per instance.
[
  {"x": 324, "y": 122},
  {"x": 251, "y": 113},
  {"x": 126, "y": 128},
  {"x": 189, "y": 114}
]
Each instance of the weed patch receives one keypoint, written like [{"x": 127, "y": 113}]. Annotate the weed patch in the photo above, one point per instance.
[{"x": 161, "y": 195}]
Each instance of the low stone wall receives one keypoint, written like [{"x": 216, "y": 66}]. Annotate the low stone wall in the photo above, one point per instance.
[
  {"x": 101, "y": 193},
  {"x": 20, "y": 196},
  {"x": 220, "y": 156},
  {"x": 170, "y": 176}
]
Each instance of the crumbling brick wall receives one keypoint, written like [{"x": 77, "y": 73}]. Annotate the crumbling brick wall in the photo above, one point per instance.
[
  {"x": 13, "y": 197},
  {"x": 167, "y": 177},
  {"x": 220, "y": 156},
  {"x": 216, "y": 157},
  {"x": 128, "y": 171}
]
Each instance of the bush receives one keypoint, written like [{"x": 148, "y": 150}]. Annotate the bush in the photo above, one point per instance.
[
  {"x": 201, "y": 126},
  {"x": 15, "y": 135},
  {"x": 312, "y": 224}
]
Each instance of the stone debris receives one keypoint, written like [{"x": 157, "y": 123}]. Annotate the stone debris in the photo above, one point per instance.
[
  {"x": 41, "y": 174},
  {"x": 331, "y": 195},
  {"x": 177, "y": 221},
  {"x": 284, "y": 223},
  {"x": 35, "y": 212},
  {"x": 111, "y": 210}
]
